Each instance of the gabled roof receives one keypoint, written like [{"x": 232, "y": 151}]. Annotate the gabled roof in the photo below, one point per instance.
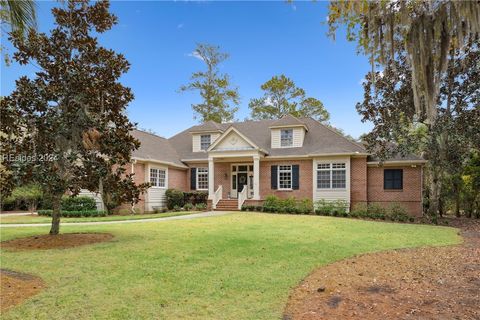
[
  {"x": 155, "y": 148},
  {"x": 209, "y": 126},
  {"x": 320, "y": 140},
  {"x": 242, "y": 136},
  {"x": 288, "y": 121}
]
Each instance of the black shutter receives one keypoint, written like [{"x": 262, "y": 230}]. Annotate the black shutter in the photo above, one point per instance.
[
  {"x": 193, "y": 178},
  {"x": 273, "y": 177},
  {"x": 295, "y": 177}
]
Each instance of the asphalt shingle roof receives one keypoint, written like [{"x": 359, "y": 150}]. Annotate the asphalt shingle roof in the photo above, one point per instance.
[
  {"x": 318, "y": 140},
  {"x": 154, "y": 147}
]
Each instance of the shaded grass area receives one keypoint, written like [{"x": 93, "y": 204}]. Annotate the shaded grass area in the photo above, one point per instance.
[
  {"x": 42, "y": 219},
  {"x": 239, "y": 266}
]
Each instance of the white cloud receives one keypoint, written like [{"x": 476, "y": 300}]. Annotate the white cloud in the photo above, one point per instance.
[{"x": 195, "y": 54}]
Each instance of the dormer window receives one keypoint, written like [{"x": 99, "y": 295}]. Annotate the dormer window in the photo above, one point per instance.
[
  {"x": 205, "y": 141},
  {"x": 286, "y": 137}
]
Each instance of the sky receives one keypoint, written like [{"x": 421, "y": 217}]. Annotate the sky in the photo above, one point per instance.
[{"x": 263, "y": 39}]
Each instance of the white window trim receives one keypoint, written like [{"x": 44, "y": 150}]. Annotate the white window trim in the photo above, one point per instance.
[
  {"x": 196, "y": 178},
  {"x": 330, "y": 169},
  {"x": 166, "y": 177},
  {"x": 290, "y": 145},
  {"x": 278, "y": 176},
  {"x": 209, "y": 144}
]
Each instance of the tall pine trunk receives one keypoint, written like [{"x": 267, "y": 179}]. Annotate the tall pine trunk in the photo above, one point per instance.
[{"x": 56, "y": 212}]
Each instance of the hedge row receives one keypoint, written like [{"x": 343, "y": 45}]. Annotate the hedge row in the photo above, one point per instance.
[
  {"x": 339, "y": 208},
  {"x": 178, "y": 199},
  {"x": 75, "y": 213}
]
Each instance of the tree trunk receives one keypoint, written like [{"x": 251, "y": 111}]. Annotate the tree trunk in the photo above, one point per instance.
[
  {"x": 457, "y": 199},
  {"x": 56, "y": 206},
  {"x": 435, "y": 188}
]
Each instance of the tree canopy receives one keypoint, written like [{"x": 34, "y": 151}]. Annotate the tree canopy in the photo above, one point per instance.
[
  {"x": 426, "y": 30},
  {"x": 66, "y": 127},
  {"x": 282, "y": 96},
  {"x": 219, "y": 97}
]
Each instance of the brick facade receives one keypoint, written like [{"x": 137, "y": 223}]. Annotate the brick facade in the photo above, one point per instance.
[
  {"x": 358, "y": 181},
  {"x": 410, "y": 197},
  {"x": 366, "y": 183},
  {"x": 177, "y": 178},
  {"x": 306, "y": 179}
]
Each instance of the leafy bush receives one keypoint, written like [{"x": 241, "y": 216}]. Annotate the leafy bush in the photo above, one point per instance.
[
  {"x": 305, "y": 206},
  {"x": 174, "y": 198},
  {"x": 258, "y": 208},
  {"x": 201, "y": 206},
  {"x": 74, "y": 213},
  {"x": 188, "y": 206},
  {"x": 288, "y": 205},
  {"x": 336, "y": 208},
  {"x": 177, "y": 208},
  {"x": 26, "y": 197},
  {"x": 195, "y": 197},
  {"x": 79, "y": 203},
  {"x": 396, "y": 212},
  {"x": 271, "y": 204},
  {"x": 360, "y": 210}
]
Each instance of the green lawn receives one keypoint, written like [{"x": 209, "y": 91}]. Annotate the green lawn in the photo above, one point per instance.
[
  {"x": 239, "y": 266},
  {"x": 41, "y": 219}
]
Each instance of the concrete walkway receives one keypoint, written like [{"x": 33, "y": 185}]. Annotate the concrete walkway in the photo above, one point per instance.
[
  {"x": 184, "y": 217},
  {"x": 17, "y": 214}
]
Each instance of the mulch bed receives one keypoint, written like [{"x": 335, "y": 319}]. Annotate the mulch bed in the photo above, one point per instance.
[
  {"x": 60, "y": 241},
  {"x": 17, "y": 287},
  {"x": 425, "y": 283}
]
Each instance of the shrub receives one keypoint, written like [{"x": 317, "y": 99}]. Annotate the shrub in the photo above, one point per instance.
[
  {"x": 195, "y": 197},
  {"x": 177, "y": 208},
  {"x": 258, "y": 208},
  {"x": 360, "y": 210},
  {"x": 375, "y": 211},
  {"x": 74, "y": 213},
  {"x": 271, "y": 204},
  {"x": 324, "y": 207},
  {"x": 396, "y": 212},
  {"x": 287, "y": 205},
  {"x": 201, "y": 206},
  {"x": 188, "y": 206},
  {"x": 78, "y": 203},
  {"x": 174, "y": 198},
  {"x": 305, "y": 206}
]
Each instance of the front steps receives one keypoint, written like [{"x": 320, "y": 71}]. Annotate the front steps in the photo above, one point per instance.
[{"x": 227, "y": 205}]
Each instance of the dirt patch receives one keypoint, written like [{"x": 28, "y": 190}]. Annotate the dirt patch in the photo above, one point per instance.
[
  {"x": 61, "y": 241},
  {"x": 426, "y": 283},
  {"x": 17, "y": 287}
]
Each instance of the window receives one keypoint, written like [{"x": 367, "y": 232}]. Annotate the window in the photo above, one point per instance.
[
  {"x": 157, "y": 177},
  {"x": 393, "y": 179},
  {"x": 284, "y": 177},
  {"x": 286, "y": 138},
  {"x": 202, "y": 178},
  {"x": 331, "y": 176},
  {"x": 205, "y": 140}
]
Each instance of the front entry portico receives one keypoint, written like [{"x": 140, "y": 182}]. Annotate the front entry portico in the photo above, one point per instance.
[{"x": 241, "y": 176}]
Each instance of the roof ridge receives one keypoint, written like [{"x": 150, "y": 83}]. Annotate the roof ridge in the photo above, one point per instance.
[
  {"x": 150, "y": 133},
  {"x": 338, "y": 133}
]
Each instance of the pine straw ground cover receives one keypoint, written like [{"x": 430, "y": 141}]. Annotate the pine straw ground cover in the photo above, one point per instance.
[
  {"x": 426, "y": 283},
  {"x": 238, "y": 266}
]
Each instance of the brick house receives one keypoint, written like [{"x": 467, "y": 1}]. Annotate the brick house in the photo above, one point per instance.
[{"x": 243, "y": 162}]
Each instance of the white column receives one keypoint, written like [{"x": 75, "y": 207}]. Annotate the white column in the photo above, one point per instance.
[
  {"x": 256, "y": 177},
  {"x": 211, "y": 179}
]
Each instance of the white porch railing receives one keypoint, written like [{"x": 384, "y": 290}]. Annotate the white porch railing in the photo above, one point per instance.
[
  {"x": 217, "y": 196},
  {"x": 242, "y": 196}
]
